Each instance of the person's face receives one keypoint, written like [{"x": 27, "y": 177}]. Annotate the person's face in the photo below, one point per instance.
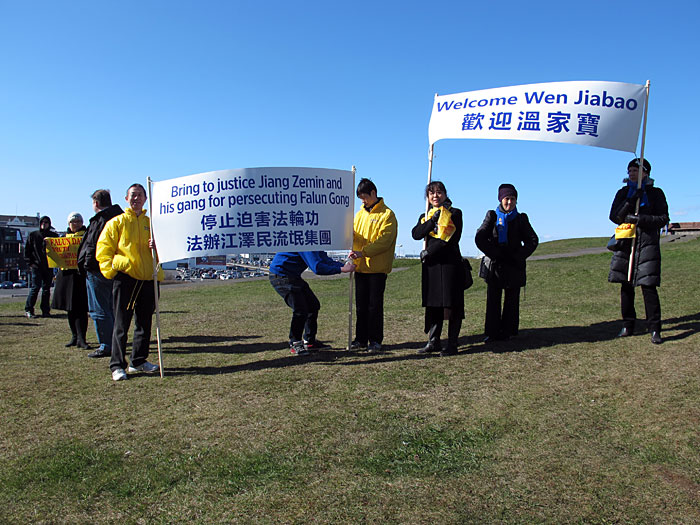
[
  {"x": 95, "y": 207},
  {"x": 508, "y": 203},
  {"x": 368, "y": 198},
  {"x": 75, "y": 225},
  {"x": 436, "y": 197},
  {"x": 45, "y": 225},
  {"x": 633, "y": 173},
  {"x": 136, "y": 198}
]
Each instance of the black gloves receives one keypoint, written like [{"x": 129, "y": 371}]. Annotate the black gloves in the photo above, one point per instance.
[
  {"x": 424, "y": 255},
  {"x": 632, "y": 219},
  {"x": 436, "y": 215}
]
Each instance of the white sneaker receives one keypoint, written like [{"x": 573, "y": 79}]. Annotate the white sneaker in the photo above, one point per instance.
[
  {"x": 119, "y": 374},
  {"x": 147, "y": 367}
]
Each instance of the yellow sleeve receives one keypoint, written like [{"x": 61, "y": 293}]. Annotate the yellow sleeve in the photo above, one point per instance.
[{"x": 107, "y": 246}]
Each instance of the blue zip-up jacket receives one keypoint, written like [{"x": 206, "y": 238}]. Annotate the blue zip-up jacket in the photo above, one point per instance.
[{"x": 293, "y": 264}]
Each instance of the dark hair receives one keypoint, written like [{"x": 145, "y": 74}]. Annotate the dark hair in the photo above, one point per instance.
[
  {"x": 635, "y": 163},
  {"x": 435, "y": 185},
  {"x": 366, "y": 186},
  {"x": 102, "y": 198},
  {"x": 137, "y": 185}
]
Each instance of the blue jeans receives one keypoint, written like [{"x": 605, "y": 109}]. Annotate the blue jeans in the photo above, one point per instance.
[
  {"x": 41, "y": 281},
  {"x": 99, "y": 294}
]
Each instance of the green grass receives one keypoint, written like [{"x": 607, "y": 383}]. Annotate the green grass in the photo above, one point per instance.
[
  {"x": 564, "y": 424},
  {"x": 570, "y": 245}
]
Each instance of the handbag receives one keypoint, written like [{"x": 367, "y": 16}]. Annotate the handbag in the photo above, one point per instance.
[
  {"x": 486, "y": 268},
  {"x": 468, "y": 279}
]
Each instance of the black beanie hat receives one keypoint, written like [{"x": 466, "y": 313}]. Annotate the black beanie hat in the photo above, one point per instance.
[
  {"x": 506, "y": 190},
  {"x": 635, "y": 163}
]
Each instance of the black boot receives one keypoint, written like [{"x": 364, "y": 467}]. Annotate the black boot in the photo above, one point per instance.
[
  {"x": 81, "y": 330},
  {"x": 452, "y": 337},
  {"x": 74, "y": 338},
  {"x": 433, "y": 339}
]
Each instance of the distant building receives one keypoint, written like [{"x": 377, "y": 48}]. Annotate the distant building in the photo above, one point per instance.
[
  {"x": 24, "y": 223},
  {"x": 12, "y": 261},
  {"x": 14, "y": 231}
]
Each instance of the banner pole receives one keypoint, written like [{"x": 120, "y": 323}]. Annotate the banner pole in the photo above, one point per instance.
[
  {"x": 430, "y": 178},
  {"x": 640, "y": 180},
  {"x": 351, "y": 282},
  {"x": 155, "y": 288}
]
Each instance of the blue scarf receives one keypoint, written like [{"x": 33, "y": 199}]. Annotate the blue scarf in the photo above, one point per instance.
[
  {"x": 632, "y": 187},
  {"x": 502, "y": 220}
]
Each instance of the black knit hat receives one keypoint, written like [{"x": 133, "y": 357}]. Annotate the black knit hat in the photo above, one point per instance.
[
  {"x": 635, "y": 163},
  {"x": 506, "y": 190}
]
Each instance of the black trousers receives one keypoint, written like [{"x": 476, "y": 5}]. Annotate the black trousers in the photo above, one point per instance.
[
  {"x": 40, "y": 282},
  {"x": 131, "y": 297},
  {"x": 369, "y": 306},
  {"x": 652, "y": 306},
  {"x": 304, "y": 304},
  {"x": 501, "y": 323}
]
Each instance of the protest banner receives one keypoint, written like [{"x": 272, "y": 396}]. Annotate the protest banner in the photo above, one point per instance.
[
  {"x": 62, "y": 252},
  {"x": 591, "y": 113},
  {"x": 252, "y": 210}
]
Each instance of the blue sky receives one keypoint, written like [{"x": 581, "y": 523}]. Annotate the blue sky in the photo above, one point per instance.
[{"x": 103, "y": 94}]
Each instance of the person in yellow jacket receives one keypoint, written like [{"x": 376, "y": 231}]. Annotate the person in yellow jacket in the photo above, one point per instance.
[
  {"x": 124, "y": 254},
  {"x": 374, "y": 240}
]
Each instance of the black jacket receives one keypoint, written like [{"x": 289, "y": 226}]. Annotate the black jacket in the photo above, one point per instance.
[
  {"x": 88, "y": 246},
  {"x": 442, "y": 275},
  {"x": 509, "y": 270},
  {"x": 35, "y": 249},
  {"x": 652, "y": 217}
]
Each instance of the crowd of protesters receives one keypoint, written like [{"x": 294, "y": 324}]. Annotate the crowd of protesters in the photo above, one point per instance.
[{"x": 114, "y": 277}]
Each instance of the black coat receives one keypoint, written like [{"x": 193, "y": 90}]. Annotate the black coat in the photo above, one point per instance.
[
  {"x": 88, "y": 246},
  {"x": 35, "y": 249},
  {"x": 652, "y": 217},
  {"x": 509, "y": 269},
  {"x": 442, "y": 278}
]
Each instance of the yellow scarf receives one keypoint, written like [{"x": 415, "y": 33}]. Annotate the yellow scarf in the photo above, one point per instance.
[{"x": 445, "y": 226}]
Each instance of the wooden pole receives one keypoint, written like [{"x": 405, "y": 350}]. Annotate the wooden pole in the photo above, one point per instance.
[
  {"x": 154, "y": 256},
  {"x": 640, "y": 180},
  {"x": 351, "y": 282}
]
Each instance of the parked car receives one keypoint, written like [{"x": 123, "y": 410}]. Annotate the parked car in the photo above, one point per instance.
[
  {"x": 6, "y": 285},
  {"x": 20, "y": 284}
]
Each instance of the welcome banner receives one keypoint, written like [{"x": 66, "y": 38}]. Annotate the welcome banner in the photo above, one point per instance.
[
  {"x": 62, "y": 252},
  {"x": 601, "y": 114},
  {"x": 252, "y": 210}
]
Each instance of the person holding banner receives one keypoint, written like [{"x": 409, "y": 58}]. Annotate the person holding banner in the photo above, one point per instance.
[
  {"x": 652, "y": 215},
  {"x": 42, "y": 275},
  {"x": 507, "y": 239},
  {"x": 124, "y": 253},
  {"x": 442, "y": 275},
  {"x": 70, "y": 293},
  {"x": 285, "y": 277},
  {"x": 374, "y": 240},
  {"x": 99, "y": 288}
]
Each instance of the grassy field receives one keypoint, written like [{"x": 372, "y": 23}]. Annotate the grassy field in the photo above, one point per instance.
[{"x": 565, "y": 424}]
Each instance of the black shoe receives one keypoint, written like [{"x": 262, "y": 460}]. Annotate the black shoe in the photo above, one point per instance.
[
  {"x": 656, "y": 337},
  {"x": 430, "y": 347},
  {"x": 83, "y": 345},
  {"x": 493, "y": 339},
  {"x": 46, "y": 314},
  {"x": 100, "y": 352},
  {"x": 626, "y": 332},
  {"x": 72, "y": 342},
  {"x": 448, "y": 351}
]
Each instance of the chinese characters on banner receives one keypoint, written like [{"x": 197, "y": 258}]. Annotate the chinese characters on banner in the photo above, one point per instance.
[
  {"x": 252, "y": 210},
  {"x": 62, "y": 252},
  {"x": 602, "y": 114}
]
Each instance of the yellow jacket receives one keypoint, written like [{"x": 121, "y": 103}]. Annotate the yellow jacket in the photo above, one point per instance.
[
  {"x": 375, "y": 235},
  {"x": 123, "y": 247}
]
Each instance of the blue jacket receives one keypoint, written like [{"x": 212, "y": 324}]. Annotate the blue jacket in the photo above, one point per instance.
[{"x": 293, "y": 264}]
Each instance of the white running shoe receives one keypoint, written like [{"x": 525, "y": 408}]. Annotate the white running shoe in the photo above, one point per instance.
[
  {"x": 119, "y": 374},
  {"x": 147, "y": 367}
]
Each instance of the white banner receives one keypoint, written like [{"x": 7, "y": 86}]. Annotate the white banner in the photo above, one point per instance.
[
  {"x": 252, "y": 210},
  {"x": 602, "y": 114}
]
